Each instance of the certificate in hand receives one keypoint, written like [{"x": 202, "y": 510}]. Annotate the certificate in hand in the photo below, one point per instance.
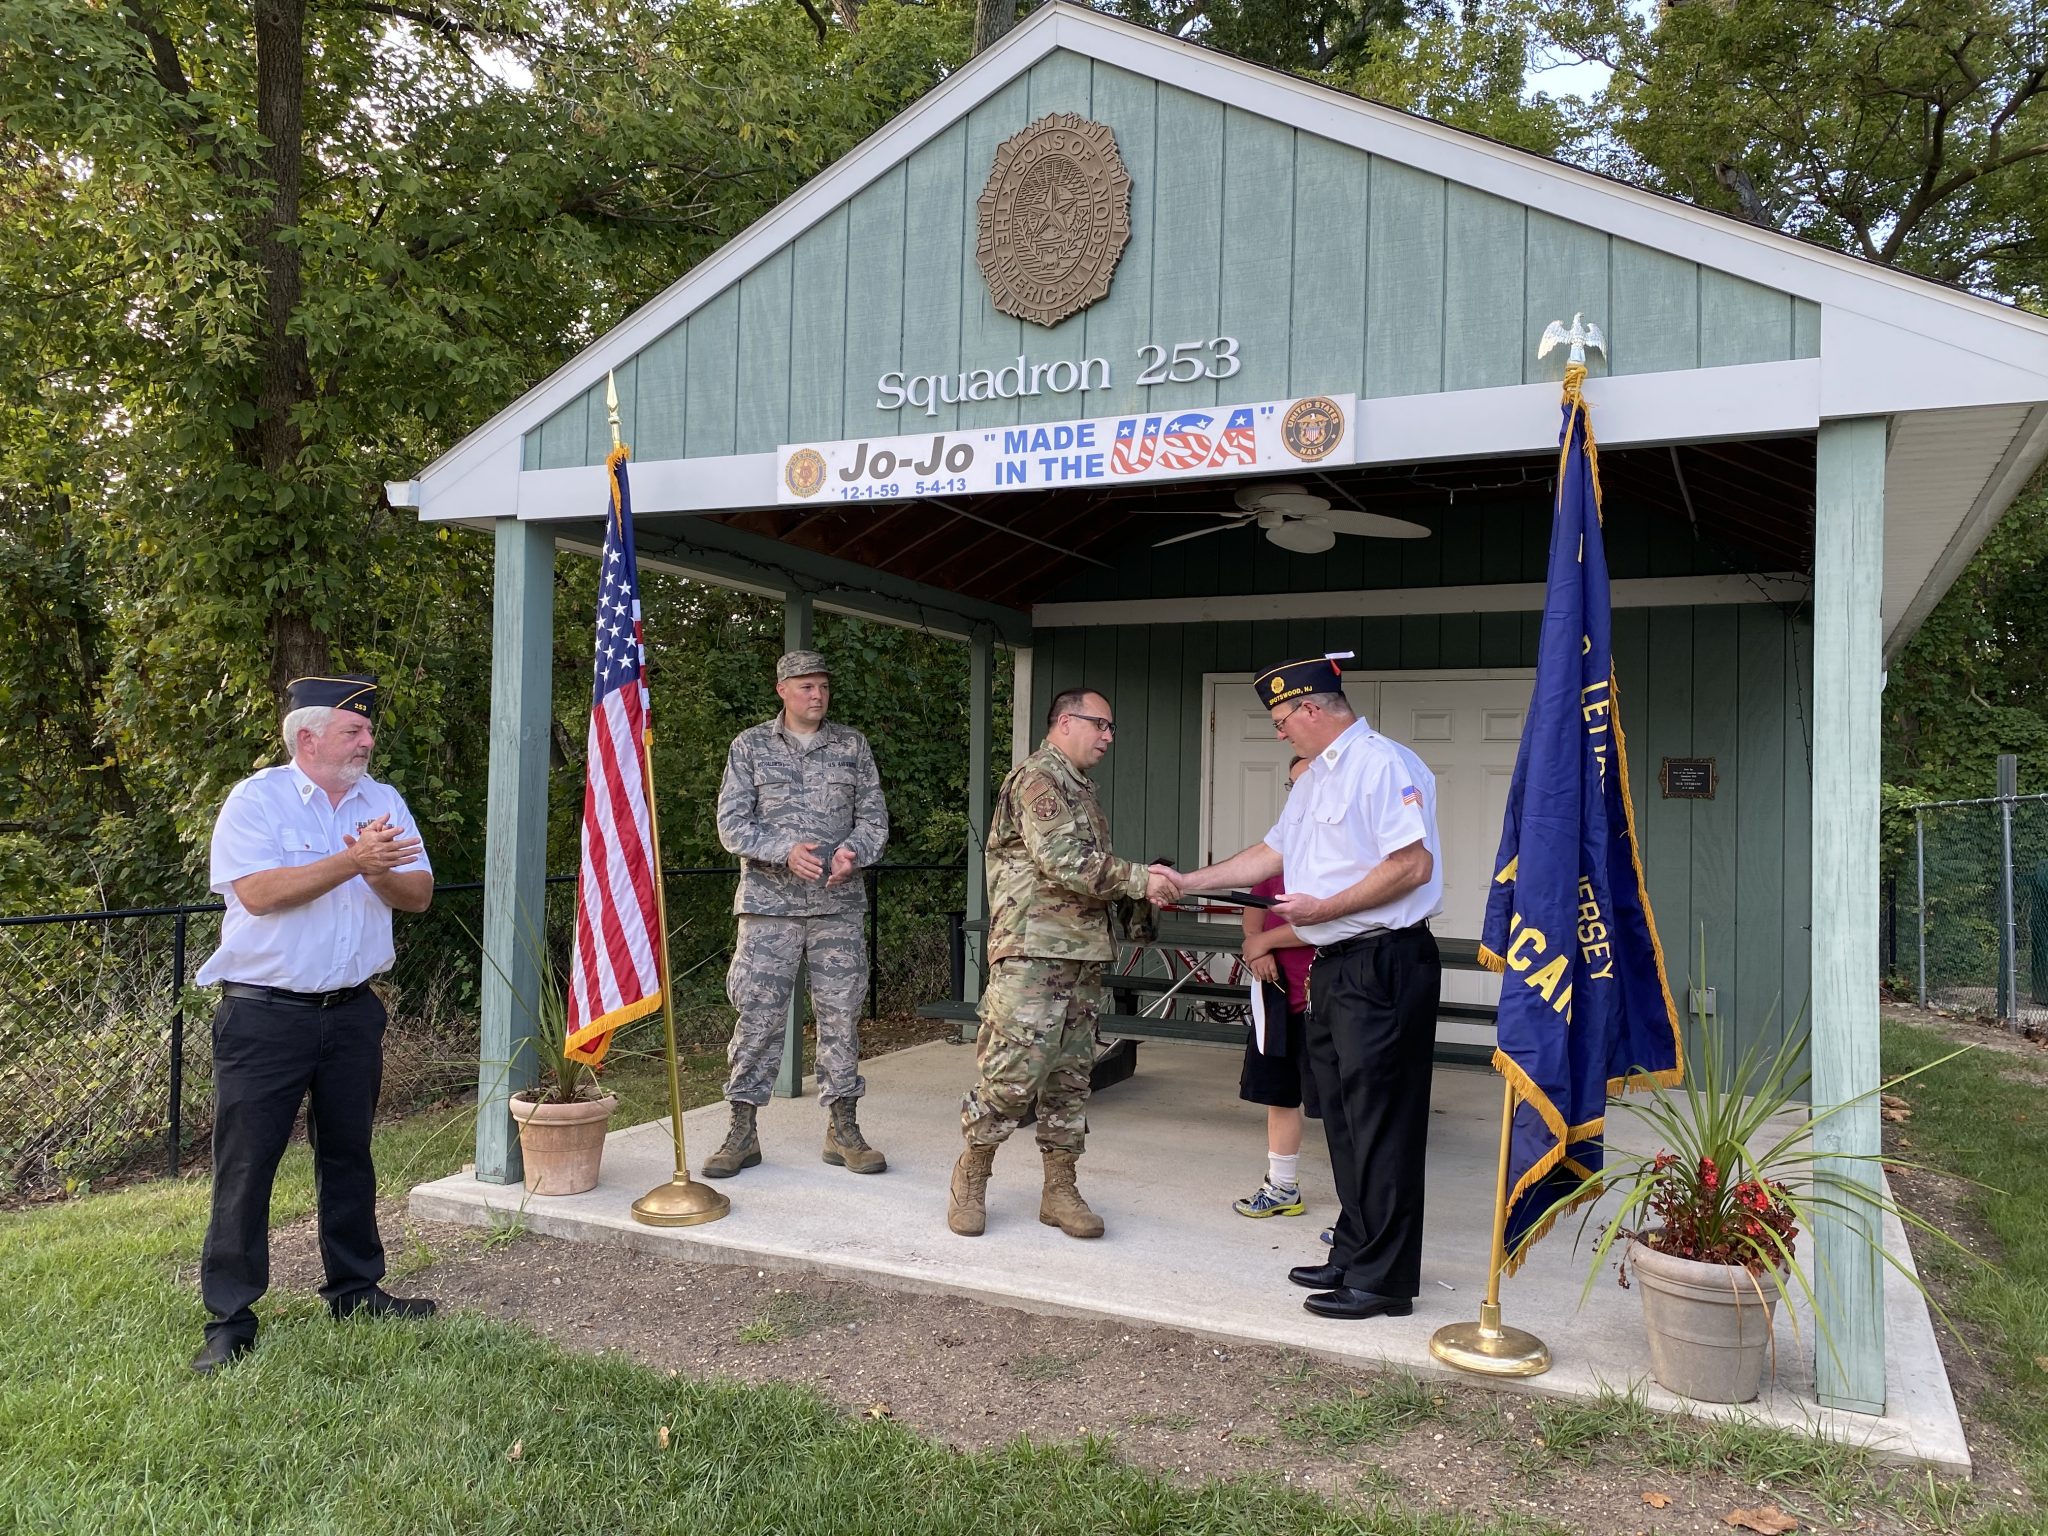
[{"x": 1245, "y": 899}]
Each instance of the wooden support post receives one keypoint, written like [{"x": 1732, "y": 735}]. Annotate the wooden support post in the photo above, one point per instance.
[
  {"x": 516, "y": 834},
  {"x": 1023, "y": 735},
  {"x": 796, "y": 621},
  {"x": 1848, "y": 681},
  {"x": 789, "y": 1077},
  {"x": 981, "y": 672}
]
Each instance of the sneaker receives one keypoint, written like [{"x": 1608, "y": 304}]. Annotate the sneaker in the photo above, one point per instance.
[
  {"x": 1330, "y": 1236},
  {"x": 1271, "y": 1200}
]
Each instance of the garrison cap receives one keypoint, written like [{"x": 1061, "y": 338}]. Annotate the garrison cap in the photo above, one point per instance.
[
  {"x": 800, "y": 664},
  {"x": 341, "y": 690},
  {"x": 1296, "y": 679}
]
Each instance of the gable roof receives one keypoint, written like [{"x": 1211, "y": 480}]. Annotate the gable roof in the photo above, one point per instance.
[{"x": 1891, "y": 343}]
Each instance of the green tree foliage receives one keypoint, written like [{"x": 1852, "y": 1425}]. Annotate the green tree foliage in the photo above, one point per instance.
[
  {"x": 259, "y": 259},
  {"x": 1909, "y": 132},
  {"x": 1283, "y": 34},
  {"x": 1973, "y": 683}
]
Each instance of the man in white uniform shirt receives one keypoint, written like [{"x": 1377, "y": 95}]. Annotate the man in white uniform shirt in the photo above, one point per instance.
[
  {"x": 1359, "y": 842},
  {"x": 311, "y": 858}
]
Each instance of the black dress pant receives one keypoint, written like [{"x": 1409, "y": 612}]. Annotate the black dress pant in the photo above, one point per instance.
[
  {"x": 268, "y": 1057},
  {"x": 1371, "y": 1039}
]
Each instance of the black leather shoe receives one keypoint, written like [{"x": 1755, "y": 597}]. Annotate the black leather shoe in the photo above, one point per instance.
[
  {"x": 219, "y": 1350},
  {"x": 380, "y": 1303},
  {"x": 1350, "y": 1302},
  {"x": 1317, "y": 1277}
]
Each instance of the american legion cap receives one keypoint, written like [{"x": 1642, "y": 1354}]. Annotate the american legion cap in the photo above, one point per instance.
[
  {"x": 1293, "y": 679},
  {"x": 342, "y": 690}
]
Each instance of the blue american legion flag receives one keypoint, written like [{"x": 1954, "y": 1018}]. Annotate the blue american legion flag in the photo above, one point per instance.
[
  {"x": 1585, "y": 1009},
  {"x": 615, "y": 975}
]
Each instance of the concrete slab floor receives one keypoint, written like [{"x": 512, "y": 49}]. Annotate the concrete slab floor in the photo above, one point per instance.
[{"x": 1168, "y": 1151}]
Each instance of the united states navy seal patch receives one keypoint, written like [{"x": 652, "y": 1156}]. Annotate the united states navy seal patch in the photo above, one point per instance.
[{"x": 1313, "y": 427}]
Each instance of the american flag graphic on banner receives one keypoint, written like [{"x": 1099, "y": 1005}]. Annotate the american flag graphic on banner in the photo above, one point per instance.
[{"x": 615, "y": 976}]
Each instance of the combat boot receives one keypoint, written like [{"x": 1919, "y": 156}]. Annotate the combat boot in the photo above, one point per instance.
[
  {"x": 1061, "y": 1205},
  {"x": 742, "y": 1147},
  {"x": 844, "y": 1144},
  {"x": 967, "y": 1200}
]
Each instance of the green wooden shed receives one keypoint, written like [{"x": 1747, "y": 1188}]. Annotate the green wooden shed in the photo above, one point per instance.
[{"x": 1102, "y": 289}]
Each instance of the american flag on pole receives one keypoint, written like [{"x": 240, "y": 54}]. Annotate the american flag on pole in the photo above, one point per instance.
[{"x": 615, "y": 976}]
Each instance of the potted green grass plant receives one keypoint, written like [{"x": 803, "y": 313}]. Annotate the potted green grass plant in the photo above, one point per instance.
[{"x": 564, "y": 1117}]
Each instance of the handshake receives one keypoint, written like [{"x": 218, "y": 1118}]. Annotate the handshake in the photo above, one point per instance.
[{"x": 1163, "y": 884}]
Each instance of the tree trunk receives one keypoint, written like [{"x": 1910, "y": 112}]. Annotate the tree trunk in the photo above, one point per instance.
[
  {"x": 992, "y": 18},
  {"x": 296, "y": 648},
  {"x": 280, "y": 97}
]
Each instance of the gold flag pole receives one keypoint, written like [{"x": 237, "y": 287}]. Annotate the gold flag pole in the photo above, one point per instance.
[
  {"x": 681, "y": 1201},
  {"x": 1488, "y": 1347}
]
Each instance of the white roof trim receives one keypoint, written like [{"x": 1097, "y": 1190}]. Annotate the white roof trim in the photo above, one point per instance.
[
  {"x": 2028, "y": 451},
  {"x": 1405, "y": 602}
]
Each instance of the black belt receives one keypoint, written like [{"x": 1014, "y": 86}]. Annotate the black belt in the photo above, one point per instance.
[
  {"x": 256, "y": 994},
  {"x": 1370, "y": 936}
]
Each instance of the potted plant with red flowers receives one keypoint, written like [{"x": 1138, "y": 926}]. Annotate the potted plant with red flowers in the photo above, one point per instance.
[{"x": 1712, "y": 1220}]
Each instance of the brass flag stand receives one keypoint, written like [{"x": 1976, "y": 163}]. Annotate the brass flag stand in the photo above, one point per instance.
[
  {"x": 682, "y": 1201},
  {"x": 1488, "y": 1347}
]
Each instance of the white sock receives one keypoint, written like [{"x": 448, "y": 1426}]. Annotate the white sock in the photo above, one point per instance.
[{"x": 1282, "y": 1171}]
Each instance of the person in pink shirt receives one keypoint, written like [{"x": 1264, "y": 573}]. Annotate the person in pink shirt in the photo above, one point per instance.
[{"x": 1278, "y": 1076}]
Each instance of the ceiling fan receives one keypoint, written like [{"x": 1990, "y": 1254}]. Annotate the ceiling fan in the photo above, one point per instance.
[{"x": 1296, "y": 519}]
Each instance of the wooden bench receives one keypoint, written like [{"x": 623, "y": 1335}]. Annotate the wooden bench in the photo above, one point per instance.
[
  {"x": 1180, "y": 931},
  {"x": 1145, "y": 1027}
]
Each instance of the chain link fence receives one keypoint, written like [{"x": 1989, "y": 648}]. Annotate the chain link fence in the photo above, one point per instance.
[
  {"x": 105, "y": 1043},
  {"x": 1967, "y": 909}
]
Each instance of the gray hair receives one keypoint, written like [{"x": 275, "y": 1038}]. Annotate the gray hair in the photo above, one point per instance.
[
  {"x": 310, "y": 717},
  {"x": 1331, "y": 703}
]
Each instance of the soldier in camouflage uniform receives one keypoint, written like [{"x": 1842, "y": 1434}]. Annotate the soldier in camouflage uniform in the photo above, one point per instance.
[
  {"x": 1052, "y": 881},
  {"x": 801, "y": 805}
]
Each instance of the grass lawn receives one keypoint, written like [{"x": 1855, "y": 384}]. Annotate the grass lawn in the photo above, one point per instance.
[
  {"x": 468, "y": 1425},
  {"x": 1984, "y": 1116},
  {"x": 465, "y": 1425}
]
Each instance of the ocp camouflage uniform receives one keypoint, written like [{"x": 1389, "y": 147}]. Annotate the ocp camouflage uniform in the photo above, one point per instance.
[
  {"x": 775, "y": 795},
  {"x": 1052, "y": 882}
]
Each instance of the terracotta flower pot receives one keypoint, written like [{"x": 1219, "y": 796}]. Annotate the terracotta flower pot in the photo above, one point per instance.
[
  {"x": 561, "y": 1145},
  {"x": 1709, "y": 1324}
]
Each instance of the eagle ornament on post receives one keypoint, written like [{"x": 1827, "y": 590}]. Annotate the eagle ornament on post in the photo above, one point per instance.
[{"x": 1581, "y": 335}]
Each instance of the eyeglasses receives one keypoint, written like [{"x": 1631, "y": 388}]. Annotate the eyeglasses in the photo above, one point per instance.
[
  {"x": 1107, "y": 727},
  {"x": 1280, "y": 725}
]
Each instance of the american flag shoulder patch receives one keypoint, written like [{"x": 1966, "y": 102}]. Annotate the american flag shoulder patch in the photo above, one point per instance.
[{"x": 1410, "y": 795}]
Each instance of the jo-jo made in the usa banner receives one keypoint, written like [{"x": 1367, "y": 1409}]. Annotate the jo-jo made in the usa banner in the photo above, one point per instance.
[{"x": 1103, "y": 450}]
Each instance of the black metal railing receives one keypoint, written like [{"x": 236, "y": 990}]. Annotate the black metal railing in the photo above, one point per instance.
[{"x": 95, "y": 1051}]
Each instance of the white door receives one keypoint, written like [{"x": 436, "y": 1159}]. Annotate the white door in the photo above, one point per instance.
[
  {"x": 1249, "y": 770},
  {"x": 1467, "y": 729}
]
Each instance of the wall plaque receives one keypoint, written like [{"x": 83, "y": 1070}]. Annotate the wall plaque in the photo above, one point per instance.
[
  {"x": 1055, "y": 217},
  {"x": 1688, "y": 778}
]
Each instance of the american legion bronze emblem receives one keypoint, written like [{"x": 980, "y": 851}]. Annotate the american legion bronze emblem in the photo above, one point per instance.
[{"x": 1055, "y": 217}]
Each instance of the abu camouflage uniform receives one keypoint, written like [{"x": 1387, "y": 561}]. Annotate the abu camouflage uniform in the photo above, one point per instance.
[
  {"x": 1052, "y": 883},
  {"x": 776, "y": 794}
]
